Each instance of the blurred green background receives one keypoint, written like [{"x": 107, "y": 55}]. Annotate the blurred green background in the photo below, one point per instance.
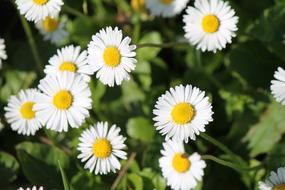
[{"x": 246, "y": 118}]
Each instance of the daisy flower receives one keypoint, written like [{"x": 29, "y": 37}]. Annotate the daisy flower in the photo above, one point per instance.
[
  {"x": 180, "y": 170},
  {"x": 165, "y": 8},
  {"x": 69, "y": 59},
  {"x": 182, "y": 113},
  {"x": 20, "y": 112},
  {"x": 210, "y": 25},
  {"x": 3, "y": 54},
  {"x": 111, "y": 56},
  {"x": 33, "y": 188},
  {"x": 53, "y": 29},
  {"x": 65, "y": 100},
  {"x": 36, "y": 10},
  {"x": 276, "y": 181},
  {"x": 101, "y": 147},
  {"x": 278, "y": 86}
]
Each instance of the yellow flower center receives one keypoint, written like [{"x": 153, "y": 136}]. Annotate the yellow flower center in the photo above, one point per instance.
[
  {"x": 50, "y": 24},
  {"x": 40, "y": 2},
  {"x": 26, "y": 110},
  {"x": 182, "y": 113},
  {"x": 112, "y": 56},
  {"x": 181, "y": 163},
  {"x": 166, "y": 2},
  {"x": 102, "y": 148},
  {"x": 68, "y": 66},
  {"x": 137, "y": 4},
  {"x": 210, "y": 24},
  {"x": 279, "y": 187},
  {"x": 62, "y": 100}
]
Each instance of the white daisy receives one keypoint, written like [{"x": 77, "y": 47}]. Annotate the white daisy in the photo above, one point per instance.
[
  {"x": 166, "y": 8},
  {"x": 3, "y": 54},
  {"x": 102, "y": 147},
  {"x": 20, "y": 112},
  {"x": 36, "y": 10},
  {"x": 210, "y": 25},
  {"x": 33, "y": 188},
  {"x": 65, "y": 101},
  {"x": 276, "y": 181},
  {"x": 111, "y": 56},
  {"x": 182, "y": 113},
  {"x": 180, "y": 170},
  {"x": 278, "y": 86},
  {"x": 69, "y": 59},
  {"x": 53, "y": 29}
]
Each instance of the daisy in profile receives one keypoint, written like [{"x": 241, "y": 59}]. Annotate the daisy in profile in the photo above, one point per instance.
[
  {"x": 33, "y": 188},
  {"x": 278, "y": 86},
  {"x": 101, "y": 148},
  {"x": 36, "y": 10},
  {"x": 276, "y": 181},
  {"x": 53, "y": 29},
  {"x": 182, "y": 113},
  {"x": 3, "y": 54},
  {"x": 166, "y": 8},
  {"x": 64, "y": 101},
  {"x": 111, "y": 56},
  {"x": 20, "y": 112},
  {"x": 181, "y": 171},
  {"x": 70, "y": 59},
  {"x": 210, "y": 24}
]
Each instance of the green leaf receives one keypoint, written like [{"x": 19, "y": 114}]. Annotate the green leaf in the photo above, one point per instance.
[
  {"x": 269, "y": 29},
  {"x": 14, "y": 82},
  {"x": 264, "y": 135},
  {"x": 140, "y": 128},
  {"x": 276, "y": 157},
  {"x": 39, "y": 163},
  {"x": 8, "y": 168},
  {"x": 148, "y": 53},
  {"x": 246, "y": 58},
  {"x": 136, "y": 180},
  {"x": 87, "y": 181},
  {"x": 64, "y": 178}
]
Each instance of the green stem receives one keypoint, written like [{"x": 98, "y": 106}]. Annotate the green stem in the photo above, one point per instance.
[
  {"x": 32, "y": 44},
  {"x": 165, "y": 45},
  {"x": 222, "y": 147},
  {"x": 230, "y": 165},
  {"x": 198, "y": 58},
  {"x": 73, "y": 11}
]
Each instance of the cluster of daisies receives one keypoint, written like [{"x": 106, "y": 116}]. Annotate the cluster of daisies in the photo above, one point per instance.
[{"x": 62, "y": 99}]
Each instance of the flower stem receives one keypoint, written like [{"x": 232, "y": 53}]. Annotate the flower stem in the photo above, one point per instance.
[
  {"x": 222, "y": 147},
  {"x": 73, "y": 11},
  {"x": 164, "y": 45},
  {"x": 229, "y": 164},
  {"x": 32, "y": 44}
]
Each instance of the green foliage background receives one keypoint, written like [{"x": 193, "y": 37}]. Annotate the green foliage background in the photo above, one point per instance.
[{"x": 246, "y": 118}]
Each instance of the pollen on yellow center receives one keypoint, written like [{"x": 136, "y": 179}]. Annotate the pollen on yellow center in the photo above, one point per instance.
[
  {"x": 26, "y": 110},
  {"x": 112, "y": 56},
  {"x": 279, "y": 187},
  {"x": 210, "y": 23},
  {"x": 167, "y": 2},
  {"x": 62, "y": 100},
  {"x": 68, "y": 66},
  {"x": 182, "y": 113},
  {"x": 50, "y": 24},
  {"x": 40, "y": 2},
  {"x": 102, "y": 148},
  {"x": 181, "y": 163}
]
